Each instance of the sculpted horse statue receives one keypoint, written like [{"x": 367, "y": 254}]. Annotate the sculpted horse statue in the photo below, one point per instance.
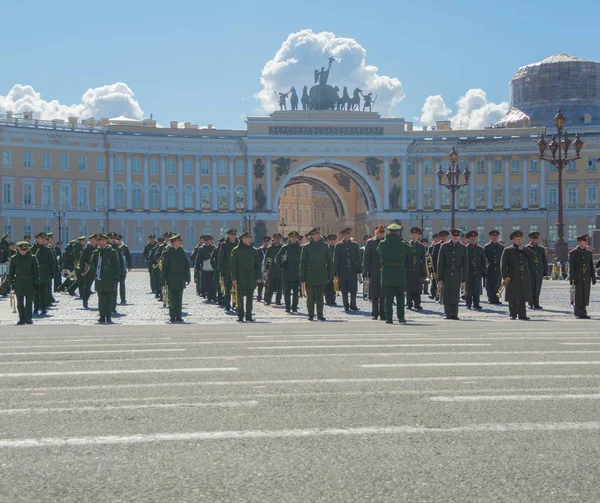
[
  {"x": 342, "y": 103},
  {"x": 305, "y": 98},
  {"x": 324, "y": 97},
  {"x": 354, "y": 102},
  {"x": 294, "y": 99}
]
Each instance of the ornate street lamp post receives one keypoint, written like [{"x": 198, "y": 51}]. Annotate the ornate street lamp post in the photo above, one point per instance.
[
  {"x": 60, "y": 215},
  {"x": 248, "y": 222},
  {"x": 283, "y": 225},
  {"x": 559, "y": 157},
  {"x": 453, "y": 183}
]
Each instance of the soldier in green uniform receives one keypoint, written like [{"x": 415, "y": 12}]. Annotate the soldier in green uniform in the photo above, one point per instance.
[
  {"x": 316, "y": 269},
  {"x": 214, "y": 262},
  {"x": 347, "y": 266},
  {"x": 476, "y": 271},
  {"x": 200, "y": 291},
  {"x": 225, "y": 266},
  {"x": 23, "y": 276},
  {"x": 372, "y": 272},
  {"x": 59, "y": 262},
  {"x": 515, "y": 265},
  {"x": 393, "y": 251},
  {"x": 176, "y": 275},
  {"x": 246, "y": 273},
  {"x": 416, "y": 270},
  {"x": 538, "y": 268},
  {"x": 113, "y": 237},
  {"x": 425, "y": 243},
  {"x": 147, "y": 250},
  {"x": 127, "y": 265},
  {"x": 288, "y": 260},
  {"x": 493, "y": 278},
  {"x": 105, "y": 267},
  {"x": 262, "y": 250},
  {"x": 86, "y": 276},
  {"x": 77, "y": 251},
  {"x": 273, "y": 272},
  {"x": 330, "y": 293},
  {"x": 49, "y": 238},
  {"x": 435, "y": 253},
  {"x": 452, "y": 269},
  {"x": 203, "y": 264},
  {"x": 4, "y": 258},
  {"x": 154, "y": 259},
  {"x": 45, "y": 263},
  {"x": 581, "y": 276}
]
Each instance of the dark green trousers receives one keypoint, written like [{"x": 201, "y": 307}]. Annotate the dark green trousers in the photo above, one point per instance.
[
  {"x": 175, "y": 302},
  {"x": 40, "y": 299},
  {"x": 105, "y": 303},
  {"x": 24, "y": 306},
  {"x": 315, "y": 294},
  {"x": 247, "y": 296},
  {"x": 391, "y": 293},
  {"x": 290, "y": 294}
]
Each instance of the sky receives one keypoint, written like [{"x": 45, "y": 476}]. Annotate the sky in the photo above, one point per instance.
[{"x": 219, "y": 62}]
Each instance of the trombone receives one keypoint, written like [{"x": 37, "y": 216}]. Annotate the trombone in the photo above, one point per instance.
[
  {"x": 502, "y": 287},
  {"x": 13, "y": 303},
  {"x": 431, "y": 275}
]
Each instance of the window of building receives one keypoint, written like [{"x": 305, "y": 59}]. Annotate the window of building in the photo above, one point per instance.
[
  {"x": 83, "y": 231},
  {"x": 591, "y": 164},
  {"x": 65, "y": 162},
  {"x": 498, "y": 196},
  {"x": 480, "y": 169},
  {"x": 428, "y": 197},
  {"x": 83, "y": 196},
  {"x": 171, "y": 197},
  {"x": 222, "y": 167},
  {"x": 300, "y": 213},
  {"x": 572, "y": 232},
  {"x": 222, "y": 198},
  {"x": 6, "y": 159},
  {"x": 286, "y": 215},
  {"x": 123, "y": 232},
  {"x": 285, "y": 192},
  {"x": 189, "y": 237},
  {"x": 65, "y": 195},
  {"x": 294, "y": 215},
  {"x": 136, "y": 165},
  {"x": 154, "y": 196},
  {"x": 294, "y": 191},
  {"x": 239, "y": 167},
  {"x": 101, "y": 196},
  {"x": 153, "y": 165},
  {"x": 534, "y": 195},
  {"x": 156, "y": 230},
  {"x": 100, "y": 163},
  {"x": 445, "y": 198},
  {"x": 591, "y": 194},
  {"x": 552, "y": 196},
  {"x": 188, "y": 167},
  {"x": 138, "y": 235},
  {"x": 497, "y": 165},
  {"x": 27, "y": 230},
  {"x": 8, "y": 230},
  {"x": 170, "y": 166},
  {"x": 28, "y": 193},
  {"x": 82, "y": 163},
  {"x": 28, "y": 160},
  {"x": 188, "y": 197},
  {"x": 533, "y": 166},
  {"x": 410, "y": 168},
  {"x": 240, "y": 199},
  {"x": 307, "y": 216},
  {"x": 480, "y": 196},
  {"x": 428, "y": 167},
  {"x": 119, "y": 164},
  {"x": 46, "y": 161},
  {"x": 136, "y": 192},
  {"x": 572, "y": 166},
  {"x": 47, "y": 194},
  {"x": 572, "y": 196},
  {"x": 205, "y": 197},
  {"x": 591, "y": 229},
  {"x": 515, "y": 196},
  {"x": 411, "y": 198},
  {"x": 205, "y": 166},
  {"x": 463, "y": 197},
  {"x": 120, "y": 195},
  {"x": 515, "y": 166},
  {"x": 516, "y": 227},
  {"x": 553, "y": 233}
]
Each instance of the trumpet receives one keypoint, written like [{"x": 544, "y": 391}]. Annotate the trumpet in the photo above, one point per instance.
[
  {"x": 13, "y": 302},
  {"x": 234, "y": 294},
  {"x": 439, "y": 290},
  {"x": 336, "y": 284},
  {"x": 502, "y": 287},
  {"x": 431, "y": 275},
  {"x": 303, "y": 289}
]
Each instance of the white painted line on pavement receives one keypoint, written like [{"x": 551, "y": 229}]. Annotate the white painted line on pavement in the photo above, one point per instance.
[
  {"x": 580, "y": 343},
  {"x": 116, "y": 372},
  {"x": 365, "y": 346},
  {"x": 297, "y": 433},
  {"x": 513, "y": 398},
  {"x": 474, "y": 364},
  {"x": 99, "y": 351},
  {"x": 49, "y": 340}
]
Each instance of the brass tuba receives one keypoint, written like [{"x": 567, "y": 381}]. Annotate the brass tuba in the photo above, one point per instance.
[{"x": 502, "y": 287}]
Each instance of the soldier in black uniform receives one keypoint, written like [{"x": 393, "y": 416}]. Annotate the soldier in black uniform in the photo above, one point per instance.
[
  {"x": 538, "y": 268},
  {"x": 347, "y": 265},
  {"x": 200, "y": 291},
  {"x": 515, "y": 265},
  {"x": 288, "y": 260},
  {"x": 86, "y": 275},
  {"x": 205, "y": 270},
  {"x": 416, "y": 270},
  {"x": 581, "y": 276},
  {"x": 330, "y": 293},
  {"x": 147, "y": 250},
  {"x": 45, "y": 261},
  {"x": 493, "y": 279},
  {"x": 435, "y": 253},
  {"x": 113, "y": 238},
  {"x": 452, "y": 272},
  {"x": 262, "y": 250},
  {"x": 274, "y": 281},
  {"x": 372, "y": 272},
  {"x": 225, "y": 267},
  {"x": 23, "y": 276},
  {"x": 425, "y": 243},
  {"x": 476, "y": 272},
  {"x": 59, "y": 263}
]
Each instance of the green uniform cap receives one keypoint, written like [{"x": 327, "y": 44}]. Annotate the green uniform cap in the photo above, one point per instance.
[
  {"x": 176, "y": 237},
  {"x": 394, "y": 227},
  {"x": 316, "y": 230}
]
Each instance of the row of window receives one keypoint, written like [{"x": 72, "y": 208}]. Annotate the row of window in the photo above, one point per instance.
[
  {"x": 301, "y": 191},
  {"x": 498, "y": 166},
  {"x": 299, "y": 215}
]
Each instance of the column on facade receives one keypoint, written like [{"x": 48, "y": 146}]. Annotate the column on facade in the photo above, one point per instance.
[
  {"x": 180, "y": 182},
  {"x": 404, "y": 188},
  {"x": 249, "y": 187},
  {"x": 268, "y": 183},
  {"x": 197, "y": 184},
  {"x": 128, "y": 191},
  {"x": 163, "y": 182},
  {"x": 525, "y": 190},
  {"x": 437, "y": 204},
  {"x": 420, "y": 184},
  {"x": 146, "y": 184},
  {"x": 231, "y": 183},
  {"x": 215, "y": 185},
  {"x": 111, "y": 181},
  {"x": 543, "y": 184},
  {"x": 490, "y": 184},
  {"x": 472, "y": 183},
  {"x": 506, "y": 182},
  {"x": 386, "y": 183}
]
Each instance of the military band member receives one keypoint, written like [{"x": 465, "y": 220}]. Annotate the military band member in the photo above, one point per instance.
[
  {"x": 214, "y": 262},
  {"x": 476, "y": 271},
  {"x": 105, "y": 267},
  {"x": 538, "y": 268},
  {"x": 46, "y": 267},
  {"x": 346, "y": 259},
  {"x": 288, "y": 260},
  {"x": 330, "y": 293},
  {"x": 435, "y": 253},
  {"x": 200, "y": 291},
  {"x": 176, "y": 275},
  {"x": 425, "y": 243},
  {"x": 113, "y": 237},
  {"x": 23, "y": 277},
  {"x": 86, "y": 275},
  {"x": 361, "y": 278},
  {"x": 316, "y": 269},
  {"x": 581, "y": 276},
  {"x": 126, "y": 267},
  {"x": 59, "y": 262},
  {"x": 274, "y": 282},
  {"x": 464, "y": 239},
  {"x": 416, "y": 270},
  {"x": 225, "y": 265},
  {"x": 77, "y": 251},
  {"x": 147, "y": 250},
  {"x": 246, "y": 273},
  {"x": 493, "y": 278},
  {"x": 452, "y": 269},
  {"x": 205, "y": 269},
  {"x": 154, "y": 259},
  {"x": 515, "y": 265},
  {"x": 49, "y": 239},
  {"x": 262, "y": 250},
  {"x": 372, "y": 273}
]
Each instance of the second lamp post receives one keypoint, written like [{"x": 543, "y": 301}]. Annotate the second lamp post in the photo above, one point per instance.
[{"x": 454, "y": 182}]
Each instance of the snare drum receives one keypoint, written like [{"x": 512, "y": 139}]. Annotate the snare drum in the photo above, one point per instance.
[{"x": 3, "y": 269}]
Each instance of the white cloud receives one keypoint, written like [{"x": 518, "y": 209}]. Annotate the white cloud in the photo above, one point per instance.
[
  {"x": 304, "y": 51},
  {"x": 112, "y": 100},
  {"x": 474, "y": 111}
]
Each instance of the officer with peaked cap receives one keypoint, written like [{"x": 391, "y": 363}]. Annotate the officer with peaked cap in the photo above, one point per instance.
[
  {"x": 476, "y": 271},
  {"x": 515, "y": 265},
  {"x": 316, "y": 269},
  {"x": 435, "y": 253},
  {"x": 452, "y": 269},
  {"x": 372, "y": 272},
  {"x": 416, "y": 270},
  {"x": 330, "y": 293},
  {"x": 581, "y": 276},
  {"x": 538, "y": 268},
  {"x": 176, "y": 275},
  {"x": 245, "y": 275},
  {"x": 273, "y": 272},
  {"x": 23, "y": 276},
  {"x": 205, "y": 269},
  {"x": 106, "y": 269},
  {"x": 225, "y": 266},
  {"x": 288, "y": 260},
  {"x": 346, "y": 259},
  {"x": 493, "y": 277},
  {"x": 46, "y": 266}
]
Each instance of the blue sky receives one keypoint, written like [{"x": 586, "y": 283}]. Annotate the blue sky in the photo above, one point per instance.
[{"x": 202, "y": 61}]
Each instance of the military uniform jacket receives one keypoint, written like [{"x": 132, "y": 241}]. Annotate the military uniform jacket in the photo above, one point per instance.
[
  {"x": 416, "y": 268},
  {"x": 316, "y": 263},
  {"x": 288, "y": 259},
  {"x": 477, "y": 269},
  {"x": 195, "y": 254},
  {"x": 68, "y": 258},
  {"x": 371, "y": 259},
  {"x": 452, "y": 267},
  {"x": 4, "y": 252},
  {"x": 493, "y": 256},
  {"x": 346, "y": 258},
  {"x": 147, "y": 249},
  {"x": 126, "y": 253},
  {"x": 204, "y": 253},
  {"x": 23, "y": 273},
  {"x": 86, "y": 258},
  {"x": 59, "y": 255},
  {"x": 270, "y": 264},
  {"x": 393, "y": 251},
  {"x": 45, "y": 259},
  {"x": 581, "y": 274},
  {"x": 245, "y": 267},
  {"x": 538, "y": 266},
  {"x": 225, "y": 258},
  {"x": 176, "y": 269},
  {"x": 515, "y": 265},
  {"x": 110, "y": 268},
  {"x": 117, "y": 248},
  {"x": 435, "y": 253},
  {"x": 77, "y": 250}
]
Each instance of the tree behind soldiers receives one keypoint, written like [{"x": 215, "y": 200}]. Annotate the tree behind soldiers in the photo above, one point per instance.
[
  {"x": 316, "y": 269},
  {"x": 225, "y": 266},
  {"x": 127, "y": 265},
  {"x": 393, "y": 251},
  {"x": 176, "y": 275},
  {"x": 330, "y": 293},
  {"x": 59, "y": 262},
  {"x": 515, "y": 265},
  {"x": 205, "y": 269},
  {"x": 452, "y": 272},
  {"x": 372, "y": 272},
  {"x": 538, "y": 268},
  {"x": 112, "y": 239},
  {"x": 346, "y": 259},
  {"x": 425, "y": 243},
  {"x": 147, "y": 250},
  {"x": 262, "y": 250},
  {"x": 288, "y": 260},
  {"x": 476, "y": 272},
  {"x": 273, "y": 272},
  {"x": 23, "y": 276},
  {"x": 86, "y": 276},
  {"x": 581, "y": 276},
  {"x": 46, "y": 264},
  {"x": 105, "y": 268},
  {"x": 246, "y": 273},
  {"x": 493, "y": 254},
  {"x": 416, "y": 270},
  {"x": 435, "y": 253}
]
